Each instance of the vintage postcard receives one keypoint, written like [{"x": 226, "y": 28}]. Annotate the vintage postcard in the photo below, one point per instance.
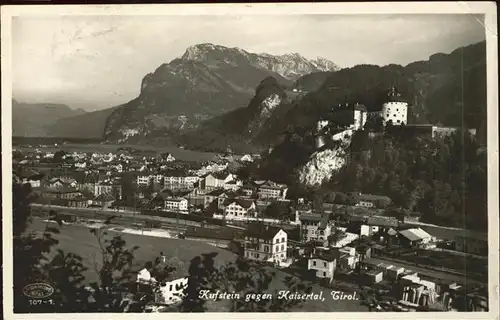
[{"x": 250, "y": 158}]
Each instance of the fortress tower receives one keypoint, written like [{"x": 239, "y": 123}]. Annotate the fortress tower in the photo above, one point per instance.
[{"x": 395, "y": 109}]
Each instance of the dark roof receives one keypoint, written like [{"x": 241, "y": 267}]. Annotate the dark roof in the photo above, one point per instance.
[
  {"x": 261, "y": 231},
  {"x": 220, "y": 175},
  {"x": 323, "y": 219},
  {"x": 394, "y": 96},
  {"x": 79, "y": 198},
  {"x": 244, "y": 203},
  {"x": 104, "y": 197},
  {"x": 327, "y": 255},
  {"x": 36, "y": 177},
  {"x": 63, "y": 189},
  {"x": 271, "y": 185},
  {"x": 357, "y": 218},
  {"x": 372, "y": 197},
  {"x": 90, "y": 178},
  {"x": 382, "y": 221},
  {"x": 249, "y": 186},
  {"x": 213, "y": 233},
  {"x": 216, "y": 192},
  {"x": 311, "y": 216}
]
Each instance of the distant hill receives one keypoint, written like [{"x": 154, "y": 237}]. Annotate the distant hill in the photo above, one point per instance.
[
  {"x": 245, "y": 128},
  {"x": 88, "y": 125},
  {"x": 33, "y": 120}
]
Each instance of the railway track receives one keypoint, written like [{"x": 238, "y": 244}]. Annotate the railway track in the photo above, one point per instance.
[{"x": 122, "y": 218}]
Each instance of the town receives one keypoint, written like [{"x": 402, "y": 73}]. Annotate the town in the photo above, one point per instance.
[{"x": 352, "y": 242}]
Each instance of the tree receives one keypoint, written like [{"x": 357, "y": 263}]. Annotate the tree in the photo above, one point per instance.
[
  {"x": 64, "y": 271},
  {"x": 128, "y": 189},
  {"x": 336, "y": 235},
  {"x": 59, "y": 156},
  {"x": 240, "y": 277},
  {"x": 273, "y": 211},
  {"x": 340, "y": 198}
]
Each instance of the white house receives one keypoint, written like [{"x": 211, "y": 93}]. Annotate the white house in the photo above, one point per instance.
[
  {"x": 33, "y": 178},
  {"x": 173, "y": 291},
  {"x": 179, "y": 181},
  {"x": 62, "y": 182},
  {"x": 324, "y": 264},
  {"x": 35, "y": 182},
  {"x": 315, "y": 227},
  {"x": 211, "y": 168},
  {"x": 233, "y": 185},
  {"x": 265, "y": 243},
  {"x": 103, "y": 187},
  {"x": 108, "y": 187},
  {"x": 246, "y": 158},
  {"x": 168, "y": 157},
  {"x": 238, "y": 209},
  {"x": 176, "y": 204},
  {"x": 80, "y": 164},
  {"x": 143, "y": 180},
  {"x": 214, "y": 181},
  {"x": 156, "y": 178},
  {"x": 272, "y": 190},
  {"x": 347, "y": 258}
]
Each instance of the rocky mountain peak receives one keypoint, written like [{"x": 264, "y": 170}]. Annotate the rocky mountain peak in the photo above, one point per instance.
[{"x": 290, "y": 65}]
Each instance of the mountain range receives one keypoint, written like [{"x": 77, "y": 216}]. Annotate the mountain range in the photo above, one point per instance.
[
  {"x": 208, "y": 80},
  {"x": 213, "y": 97},
  {"x": 36, "y": 119},
  {"x": 444, "y": 90}
]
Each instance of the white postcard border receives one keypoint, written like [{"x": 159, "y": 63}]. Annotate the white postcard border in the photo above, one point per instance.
[{"x": 490, "y": 25}]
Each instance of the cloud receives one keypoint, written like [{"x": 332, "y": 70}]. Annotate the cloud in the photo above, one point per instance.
[{"x": 102, "y": 59}]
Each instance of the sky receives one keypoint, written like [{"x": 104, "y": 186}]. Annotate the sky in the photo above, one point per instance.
[{"x": 96, "y": 62}]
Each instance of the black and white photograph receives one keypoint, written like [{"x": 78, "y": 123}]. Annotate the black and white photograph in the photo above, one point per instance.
[{"x": 268, "y": 158}]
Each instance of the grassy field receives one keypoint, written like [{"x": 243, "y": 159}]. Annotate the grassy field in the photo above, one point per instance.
[{"x": 78, "y": 239}]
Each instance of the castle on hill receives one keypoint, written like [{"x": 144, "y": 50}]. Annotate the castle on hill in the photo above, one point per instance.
[{"x": 344, "y": 119}]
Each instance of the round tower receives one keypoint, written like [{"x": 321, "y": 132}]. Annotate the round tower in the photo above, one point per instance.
[{"x": 395, "y": 109}]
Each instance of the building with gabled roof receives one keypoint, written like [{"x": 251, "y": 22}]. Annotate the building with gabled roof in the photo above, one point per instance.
[
  {"x": 238, "y": 209},
  {"x": 265, "y": 243},
  {"x": 315, "y": 227},
  {"x": 63, "y": 192},
  {"x": 414, "y": 237},
  {"x": 176, "y": 204},
  {"x": 220, "y": 195},
  {"x": 324, "y": 264},
  {"x": 272, "y": 190},
  {"x": 104, "y": 200}
]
